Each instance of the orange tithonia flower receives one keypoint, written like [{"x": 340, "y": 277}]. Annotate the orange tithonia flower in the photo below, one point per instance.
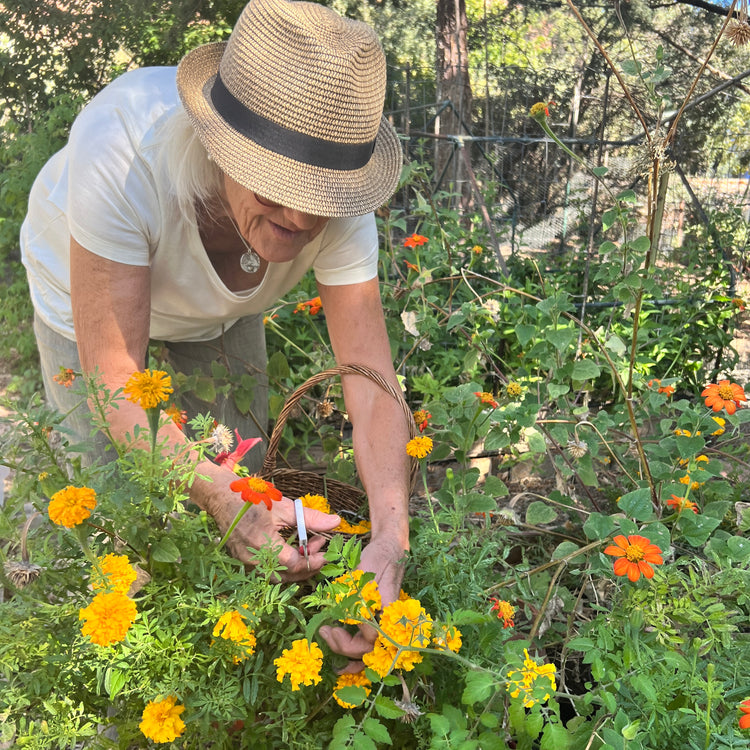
[
  {"x": 635, "y": 555},
  {"x": 422, "y": 418},
  {"x": 681, "y": 503},
  {"x": 724, "y": 395},
  {"x": 415, "y": 240},
  {"x": 256, "y": 490},
  {"x": 745, "y": 718},
  {"x": 65, "y": 376}
]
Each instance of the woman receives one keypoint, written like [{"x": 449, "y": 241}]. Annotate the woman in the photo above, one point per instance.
[{"x": 187, "y": 201}]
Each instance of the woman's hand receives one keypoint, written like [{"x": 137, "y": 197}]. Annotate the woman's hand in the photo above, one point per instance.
[
  {"x": 385, "y": 558},
  {"x": 260, "y": 526}
]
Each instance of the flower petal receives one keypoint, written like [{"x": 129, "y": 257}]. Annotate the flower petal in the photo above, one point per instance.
[
  {"x": 634, "y": 571},
  {"x": 646, "y": 569},
  {"x": 621, "y": 566}
]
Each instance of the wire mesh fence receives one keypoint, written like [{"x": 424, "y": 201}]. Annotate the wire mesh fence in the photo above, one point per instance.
[{"x": 541, "y": 199}]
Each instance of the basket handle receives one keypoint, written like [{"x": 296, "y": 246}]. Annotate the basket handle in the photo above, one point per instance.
[{"x": 269, "y": 462}]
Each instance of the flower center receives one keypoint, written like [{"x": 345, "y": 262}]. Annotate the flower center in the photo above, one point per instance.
[
  {"x": 257, "y": 484},
  {"x": 726, "y": 392},
  {"x": 633, "y": 553}
]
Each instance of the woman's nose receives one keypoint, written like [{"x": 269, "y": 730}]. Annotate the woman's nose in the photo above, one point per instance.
[{"x": 300, "y": 219}]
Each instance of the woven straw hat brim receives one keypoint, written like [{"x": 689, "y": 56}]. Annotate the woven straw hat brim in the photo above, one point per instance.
[{"x": 294, "y": 184}]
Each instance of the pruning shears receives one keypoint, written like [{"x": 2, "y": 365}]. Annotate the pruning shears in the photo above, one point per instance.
[{"x": 299, "y": 512}]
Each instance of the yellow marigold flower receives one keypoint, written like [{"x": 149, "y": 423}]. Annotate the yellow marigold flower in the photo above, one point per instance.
[
  {"x": 721, "y": 422},
  {"x": 523, "y": 682},
  {"x": 317, "y": 502},
  {"x": 477, "y": 249},
  {"x": 161, "y": 720},
  {"x": 693, "y": 485},
  {"x": 71, "y": 506},
  {"x": 232, "y": 627},
  {"x": 449, "y": 638},
  {"x": 513, "y": 389},
  {"x": 114, "y": 573},
  {"x": 407, "y": 623},
  {"x": 363, "y": 527},
  {"x": 108, "y": 618},
  {"x": 148, "y": 389},
  {"x": 369, "y": 596},
  {"x": 419, "y": 447},
  {"x": 382, "y": 658},
  {"x": 350, "y": 680},
  {"x": 302, "y": 662}
]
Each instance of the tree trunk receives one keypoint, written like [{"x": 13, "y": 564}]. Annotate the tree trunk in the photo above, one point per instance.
[{"x": 453, "y": 87}]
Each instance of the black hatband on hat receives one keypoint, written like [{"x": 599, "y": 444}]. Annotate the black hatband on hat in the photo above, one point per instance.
[{"x": 301, "y": 147}]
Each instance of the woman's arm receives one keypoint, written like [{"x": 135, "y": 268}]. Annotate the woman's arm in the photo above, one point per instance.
[
  {"x": 356, "y": 326},
  {"x": 111, "y": 313}
]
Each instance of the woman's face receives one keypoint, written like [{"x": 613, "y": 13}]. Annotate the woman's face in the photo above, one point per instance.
[{"x": 275, "y": 232}]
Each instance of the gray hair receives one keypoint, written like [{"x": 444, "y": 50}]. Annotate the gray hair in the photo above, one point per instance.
[{"x": 195, "y": 178}]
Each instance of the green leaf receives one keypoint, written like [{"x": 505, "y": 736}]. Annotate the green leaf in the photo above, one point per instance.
[
  {"x": 555, "y": 737},
  {"x": 278, "y": 366},
  {"x": 637, "y": 504},
  {"x": 524, "y": 333},
  {"x": 641, "y": 244},
  {"x": 373, "y": 728},
  {"x": 495, "y": 486},
  {"x": 615, "y": 344},
  {"x": 696, "y": 529},
  {"x": 539, "y": 512},
  {"x": 478, "y": 503},
  {"x": 387, "y": 708},
  {"x": 556, "y": 390},
  {"x": 205, "y": 390},
  {"x": 165, "y": 551},
  {"x": 564, "y": 549},
  {"x": 561, "y": 338},
  {"x": 114, "y": 681},
  {"x": 739, "y": 548},
  {"x": 585, "y": 369},
  {"x": 353, "y": 694},
  {"x": 479, "y": 687},
  {"x": 600, "y": 171},
  {"x": 534, "y": 724},
  {"x": 598, "y": 526}
]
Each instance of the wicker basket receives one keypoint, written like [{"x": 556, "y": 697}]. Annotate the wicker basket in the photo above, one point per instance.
[{"x": 296, "y": 482}]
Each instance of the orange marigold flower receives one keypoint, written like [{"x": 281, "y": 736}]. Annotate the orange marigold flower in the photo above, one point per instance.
[
  {"x": 448, "y": 638},
  {"x": 114, "y": 573},
  {"x": 147, "y": 388},
  {"x": 161, "y": 720},
  {"x": 724, "y": 395},
  {"x": 635, "y": 555},
  {"x": 419, "y": 447},
  {"x": 71, "y": 506},
  {"x": 422, "y": 418},
  {"x": 415, "y": 240},
  {"x": 178, "y": 416},
  {"x": 692, "y": 484},
  {"x": 256, "y": 490},
  {"x": 302, "y": 662},
  {"x": 369, "y": 600},
  {"x": 679, "y": 504},
  {"x": 406, "y": 622},
  {"x": 65, "y": 377},
  {"x": 108, "y": 618},
  {"x": 745, "y": 718},
  {"x": 486, "y": 398},
  {"x": 381, "y": 659},
  {"x": 232, "y": 627},
  {"x": 350, "y": 680},
  {"x": 505, "y": 611}
]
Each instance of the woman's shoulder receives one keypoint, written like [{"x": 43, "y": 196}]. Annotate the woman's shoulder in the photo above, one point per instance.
[{"x": 135, "y": 100}]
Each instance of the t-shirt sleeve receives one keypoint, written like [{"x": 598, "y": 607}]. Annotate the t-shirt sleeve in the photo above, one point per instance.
[
  {"x": 349, "y": 251},
  {"x": 112, "y": 200}
]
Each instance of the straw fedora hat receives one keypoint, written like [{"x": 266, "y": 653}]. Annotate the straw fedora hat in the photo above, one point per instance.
[{"x": 291, "y": 107}]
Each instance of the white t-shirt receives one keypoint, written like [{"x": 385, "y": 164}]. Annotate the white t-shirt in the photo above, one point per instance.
[{"x": 107, "y": 189}]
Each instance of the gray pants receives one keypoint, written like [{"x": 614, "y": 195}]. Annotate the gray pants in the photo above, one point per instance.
[{"x": 241, "y": 348}]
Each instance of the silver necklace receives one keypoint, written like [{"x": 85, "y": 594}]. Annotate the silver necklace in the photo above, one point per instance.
[{"x": 249, "y": 260}]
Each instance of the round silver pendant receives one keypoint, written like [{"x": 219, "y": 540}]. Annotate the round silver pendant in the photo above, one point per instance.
[{"x": 250, "y": 261}]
